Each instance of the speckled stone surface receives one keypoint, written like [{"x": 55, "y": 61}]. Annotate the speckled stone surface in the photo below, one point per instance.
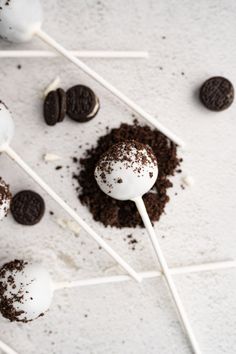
[{"x": 188, "y": 42}]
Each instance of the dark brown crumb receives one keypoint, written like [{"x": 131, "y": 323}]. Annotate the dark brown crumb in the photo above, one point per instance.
[
  {"x": 58, "y": 168},
  {"x": 7, "y": 303},
  {"x": 5, "y": 195},
  {"x": 124, "y": 213}
]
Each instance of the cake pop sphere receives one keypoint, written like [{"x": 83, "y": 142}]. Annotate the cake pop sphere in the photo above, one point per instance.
[
  {"x": 5, "y": 198},
  {"x": 26, "y": 291},
  {"x": 127, "y": 170},
  {"x": 19, "y": 19},
  {"x": 6, "y": 126}
]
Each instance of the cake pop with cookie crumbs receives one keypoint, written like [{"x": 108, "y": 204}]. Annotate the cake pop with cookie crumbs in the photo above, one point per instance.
[
  {"x": 26, "y": 291},
  {"x": 129, "y": 169}
]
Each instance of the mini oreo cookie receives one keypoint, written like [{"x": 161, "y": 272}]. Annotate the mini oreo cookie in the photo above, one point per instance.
[
  {"x": 217, "y": 93},
  {"x": 55, "y": 107},
  {"x": 82, "y": 103},
  {"x": 27, "y": 207}
]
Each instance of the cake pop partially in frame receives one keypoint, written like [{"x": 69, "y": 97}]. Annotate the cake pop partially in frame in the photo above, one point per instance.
[{"x": 26, "y": 291}]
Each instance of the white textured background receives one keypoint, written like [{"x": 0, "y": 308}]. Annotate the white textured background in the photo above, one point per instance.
[{"x": 199, "y": 225}]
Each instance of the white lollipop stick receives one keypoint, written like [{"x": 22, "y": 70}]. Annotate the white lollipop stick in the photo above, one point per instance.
[
  {"x": 127, "y": 171},
  {"x": 103, "y": 54},
  {"x": 50, "y": 41},
  {"x": 6, "y": 349},
  {"x": 198, "y": 268},
  {"x": 14, "y": 156},
  {"x": 167, "y": 274}
]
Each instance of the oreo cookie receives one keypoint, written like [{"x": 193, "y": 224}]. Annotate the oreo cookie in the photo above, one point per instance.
[
  {"x": 27, "y": 207},
  {"x": 55, "y": 107},
  {"x": 217, "y": 93},
  {"x": 82, "y": 103}
]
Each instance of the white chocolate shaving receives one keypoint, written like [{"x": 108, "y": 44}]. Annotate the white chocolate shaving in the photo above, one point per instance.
[
  {"x": 52, "y": 86},
  {"x": 49, "y": 157},
  {"x": 188, "y": 181},
  {"x": 69, "y": 225}
]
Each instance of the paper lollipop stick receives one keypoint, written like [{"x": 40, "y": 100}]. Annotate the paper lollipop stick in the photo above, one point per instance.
[
  {"x": 22, "y": 19},
  {"x": 167, "y": 273},
  {"x": 6, "y": 349},
  {"x": 152, "y": 274},
  {"x": 100, "y": 54},
  {"x": 6, "y": 134},
  {"x": 126, "y": 172}
]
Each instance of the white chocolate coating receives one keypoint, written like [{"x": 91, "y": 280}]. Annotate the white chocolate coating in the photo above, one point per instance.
[
  {"x": 6, "y": 126},
  {"x": 5, "y": 199},
  {"x": 129, "y": 174},
  {"x": 29, "y": 290},
  {"x": 20, "y": 19}
]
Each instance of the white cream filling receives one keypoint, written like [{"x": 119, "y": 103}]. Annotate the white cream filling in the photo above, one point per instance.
[{"x": 96, "y": 108}]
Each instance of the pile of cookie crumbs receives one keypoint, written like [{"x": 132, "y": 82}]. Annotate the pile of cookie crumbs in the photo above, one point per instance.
[{"x": 117, "y": 213}]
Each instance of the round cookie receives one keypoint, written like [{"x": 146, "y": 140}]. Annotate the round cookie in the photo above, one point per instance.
[
  {"x": 82, "y": 103},
  {"x": 217, "y": 93},
  {"x": 55, "y": 107},
  {"x": 27, "y": 207},
  {"x": 62, "y": 104}
]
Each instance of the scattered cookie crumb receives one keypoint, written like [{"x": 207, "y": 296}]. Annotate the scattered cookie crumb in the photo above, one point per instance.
[
  {"x": 59, "y": 167},
  {"x": 132, "y": 242}
]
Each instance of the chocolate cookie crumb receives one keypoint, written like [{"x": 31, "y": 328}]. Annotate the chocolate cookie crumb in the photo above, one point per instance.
[
  {"x": 117, "y": 213},
  {"x": 7, "y": 308}
]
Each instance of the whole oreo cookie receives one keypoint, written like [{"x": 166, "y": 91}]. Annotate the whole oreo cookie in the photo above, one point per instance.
[
  {"x": 55, "y": 107},
  {"x": 82, "y": 103},
  {"x": 217, "y": 93},
  {"x": 27, "y": 207}
]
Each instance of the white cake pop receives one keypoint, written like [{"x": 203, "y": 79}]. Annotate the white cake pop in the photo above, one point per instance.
[
  {"x": 26, "y": 291},
  {"x": 19, "y": 19},
  {"x": 6, "y": 126},
  {"x": 5, "y": 198},
  {"x": 127, "y": 170}
]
